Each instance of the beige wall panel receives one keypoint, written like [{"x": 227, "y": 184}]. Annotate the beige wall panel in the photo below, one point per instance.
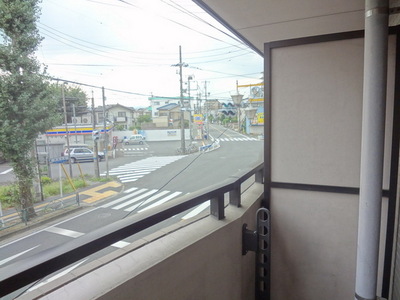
[
  {"x": 314, "y": 242},
  {"x": 314, "y": 239},
  {"x": 316, "y": 113},
  {"x": 316, "y": 110}
]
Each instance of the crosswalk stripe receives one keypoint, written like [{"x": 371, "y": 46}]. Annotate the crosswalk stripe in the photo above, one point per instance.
[
  {"x": 129, "y": 180},
  {"x": 65, "y": 232},
  {"x": 197, "y": 210},
  {"x": 130, "y": 190},
  {"x": 241, "y": 139},
  {"x": 139, "y": 174},
  {"x": 161, "y": 201},
  {"x": 133, "y": 168},
  {"x": 151, "y": 192},
  {"x": 124, "y": 198},
  {"x": 151, "y": 199},
  {"x": 130, "y": 177},
  {"x": 141, "y": 167}
]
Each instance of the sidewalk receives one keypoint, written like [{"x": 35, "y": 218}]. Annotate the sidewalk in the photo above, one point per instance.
[{"x": 55, "y": 207}]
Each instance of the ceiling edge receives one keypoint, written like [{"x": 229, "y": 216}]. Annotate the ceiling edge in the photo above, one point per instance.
[{"x": 229, "y": 27}]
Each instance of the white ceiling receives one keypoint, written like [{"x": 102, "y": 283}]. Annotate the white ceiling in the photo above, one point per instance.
[{"x": 260, "y": 21}]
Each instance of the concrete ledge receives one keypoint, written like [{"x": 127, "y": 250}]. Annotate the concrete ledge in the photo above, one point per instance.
[{"x": 199, "y": 261}]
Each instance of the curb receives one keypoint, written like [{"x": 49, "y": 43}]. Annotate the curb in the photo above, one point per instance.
[{"x": 93, "y": 194}]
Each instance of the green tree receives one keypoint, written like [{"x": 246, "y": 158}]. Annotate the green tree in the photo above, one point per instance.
[
  {"x": 144, "y": 119},
  {"x": 26, "y": 105},
  {"x": 73, "y": 95}
]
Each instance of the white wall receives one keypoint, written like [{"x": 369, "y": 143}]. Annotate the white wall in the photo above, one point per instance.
[{"x": 156, "y": 135}]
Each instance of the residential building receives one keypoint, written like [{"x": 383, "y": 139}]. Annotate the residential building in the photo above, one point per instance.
[{"x": 156, "y": 102}]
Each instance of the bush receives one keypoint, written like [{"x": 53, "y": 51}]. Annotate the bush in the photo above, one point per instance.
[
  {"x": 46, "y": 180},
  {"x": 9, "y": 195}
]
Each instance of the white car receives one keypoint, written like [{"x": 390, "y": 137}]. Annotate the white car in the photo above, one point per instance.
[{"x": 134, "y": 139}]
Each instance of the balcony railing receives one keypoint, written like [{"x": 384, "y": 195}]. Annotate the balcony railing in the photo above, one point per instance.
[{"x": 26, "y": 271}]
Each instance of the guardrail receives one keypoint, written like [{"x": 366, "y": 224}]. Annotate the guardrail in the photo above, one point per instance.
[
  {"x": 35, "y": 267},
  {"x": 210, "y": 147}
]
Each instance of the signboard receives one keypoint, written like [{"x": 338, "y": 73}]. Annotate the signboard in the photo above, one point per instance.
[
  {"x": 198, "y": 118},
  {"x": 171, "y": 133},
  {"x": 260, "y": 118}
]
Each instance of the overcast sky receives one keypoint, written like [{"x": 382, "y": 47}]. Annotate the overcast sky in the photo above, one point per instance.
[{"x": 130, "y": 46}]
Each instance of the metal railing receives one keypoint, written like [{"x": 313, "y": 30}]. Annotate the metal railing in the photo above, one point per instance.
[{"x": 35, "y": 267}]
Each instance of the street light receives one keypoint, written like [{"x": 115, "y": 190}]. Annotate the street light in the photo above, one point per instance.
[{"x": 250, "y": 113}]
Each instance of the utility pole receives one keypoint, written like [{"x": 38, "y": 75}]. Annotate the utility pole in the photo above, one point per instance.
[
  {"x": 206, "y": 109},
  {"x": 74, "y": 121},
  {"x": 66, "y": 130},
  {"x": 183, "y": 148},
  {"x": 190, "y": 111},
  {"x": 105, "y": 130},
  {"x": 95, "y": 146}
]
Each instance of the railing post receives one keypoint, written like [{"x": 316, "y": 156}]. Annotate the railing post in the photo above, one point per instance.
[
  {"x": 259, "y": 176},
  {"x": 234, "y": 195},
  {"x": 217, "y": 207}
]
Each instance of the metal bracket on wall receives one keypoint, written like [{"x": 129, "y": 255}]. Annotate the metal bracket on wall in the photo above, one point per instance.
[{"x": 259, "y": 242}]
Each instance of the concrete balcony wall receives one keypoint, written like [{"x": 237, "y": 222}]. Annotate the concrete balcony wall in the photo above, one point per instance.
[{"x": 200, "y": 261}]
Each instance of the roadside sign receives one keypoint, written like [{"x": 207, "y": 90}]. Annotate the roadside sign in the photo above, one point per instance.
[
  {"x": 58, "y": 160},
  {"x": 198, "y": 118}
]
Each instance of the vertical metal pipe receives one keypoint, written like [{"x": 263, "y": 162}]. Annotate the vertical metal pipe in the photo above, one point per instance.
[{"x": 372, "y": 147}]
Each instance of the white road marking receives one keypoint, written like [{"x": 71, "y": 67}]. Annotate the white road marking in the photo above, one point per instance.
[
  {"x": 2, "y": 262},
  {"x": 173, "y": 195},
  {"x": 124, "y": 198},
  {"x": 120, "y": 244},
  {"x": 197, "y": 210},
  {"x": 6, "y": 171},
  {"x": 135, "y": 199},
  {"x": 65, "y": 232},
  {"x": 130, "y": 190},
  {"x": 151, "y": 199}
]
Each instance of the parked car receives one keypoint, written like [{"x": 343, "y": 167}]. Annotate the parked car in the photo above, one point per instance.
[
  {"x": 82, "y": 154},
  {"x": 134, "y": 139}
]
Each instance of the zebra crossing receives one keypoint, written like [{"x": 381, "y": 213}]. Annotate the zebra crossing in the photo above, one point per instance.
[
  {"x": 241, "y": 139},
  {"x": 135, "y": 170},
  {"x": 141, "y": 199},
  {"x": 134, "y": 151}
]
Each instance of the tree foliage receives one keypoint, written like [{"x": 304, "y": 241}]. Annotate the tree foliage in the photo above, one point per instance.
[
  {"x": 73, "y": 95},
  {"x": 144, "y": 119},
  {"x": 26, "y": 104}
]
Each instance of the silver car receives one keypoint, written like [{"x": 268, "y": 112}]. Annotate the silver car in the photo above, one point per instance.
[
  {"x": 134, "y": 139},
  {"x": 82, "y": 154}
]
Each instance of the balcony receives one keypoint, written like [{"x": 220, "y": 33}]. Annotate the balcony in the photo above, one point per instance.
[
  {"x": 120, "y": 119},
  {"x": 202, "y": 258}
]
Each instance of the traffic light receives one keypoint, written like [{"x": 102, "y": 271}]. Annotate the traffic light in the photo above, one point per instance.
[{"x": 95, "y": 135}]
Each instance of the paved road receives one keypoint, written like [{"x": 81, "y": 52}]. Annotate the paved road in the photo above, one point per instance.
[{"x": 149, "y": 180}]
